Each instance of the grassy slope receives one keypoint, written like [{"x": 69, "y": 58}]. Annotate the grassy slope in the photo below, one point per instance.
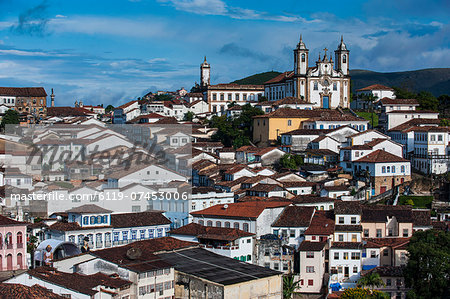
[{"x": 368, "y": 116}]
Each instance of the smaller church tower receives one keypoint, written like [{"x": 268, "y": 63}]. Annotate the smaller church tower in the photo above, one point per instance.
[
  {"x": 342, "y": 58},
  {"x": 52, "y": 97},
  {"x": 300, "y": 58},
  {"x": 205, "y": 73}
]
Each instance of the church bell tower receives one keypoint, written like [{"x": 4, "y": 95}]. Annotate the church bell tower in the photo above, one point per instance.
[
  {"x": 342, "y": 58},
  {"x": 300, "y": 58},
  {"x": 205, "y": 73}
]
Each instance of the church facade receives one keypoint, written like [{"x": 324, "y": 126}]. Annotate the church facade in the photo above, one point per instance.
[{"x": 325, "y": 85}]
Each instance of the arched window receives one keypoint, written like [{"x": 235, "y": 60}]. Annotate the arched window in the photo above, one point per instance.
[
  {"x": 303, "y": 57},
  {"x": 1, "y": 244},
  {"x": 236, "y": 225},
  {"x": 105, "y": 219},
  {"x": 201, "y": 222},
  {"x": 316, "y": 86},
  {"x": 85, "y": 220},
  {"x": 209, "y": 223},
  {"x": 344, "y": 59},
  {"x": 93, "y": 219},
  {"x": 19, "y": 238},
  {"x": 227, "y": 224},
  {"x": 80, "y": 239},
  {"x": 383, "y": 169},
  {"x": 99, "y": 219},
  {"x": 389, "y": 169},
  {"x": 245, "y": 227},
  {"x": 9, "y": 240},
  {"x": 218, "y": 224}
]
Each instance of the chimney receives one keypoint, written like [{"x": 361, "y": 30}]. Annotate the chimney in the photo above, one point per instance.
[{"x": 52, "y": 96}]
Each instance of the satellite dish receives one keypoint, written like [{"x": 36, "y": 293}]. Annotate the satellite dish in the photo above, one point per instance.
[{"x": 134, "y": 253}]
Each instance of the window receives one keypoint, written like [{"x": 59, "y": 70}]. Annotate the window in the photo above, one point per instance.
[
  {"x": 402, "y": 168},
  {"x": 355, "y": 269},
  {"x": 309, "y": 269},
  {"x": 388, "y": 282},
  {"x": 341, "y": 220},
  {"x": 285, "y": 266},
  {"x": 245, "y": 227},
  {"x": 383, "y": 169},
  {"x": 366, "y": 233},
  {"x": 378, "y": 233},
  {"x": 373, "y": 254},
  {"x": 214, "y": 97},
  {"x": 292, "y": 233},
  {"x": 209, "y": 223},
  {"x": 289, "y": 122},
  {"x": 309, "y": 254},
  {"x": 266, "y": 265},
  {"x": 439, "y": 137},
  {"x": 316, "y": 86},
  {"x": 390, "y": 232},
  {"x": 393, "y": 169},
  {"x": 353, "y": 220},
  {"x": 334, "y": 86},
  {"x": 310, "y": 282},
  {"x": 276, "y": 266},
  {"x": 389, "y": 169},
  {"x": 345, "y": 255},
  {"x": 432, "y": 138},
  {"x": 341, "y": 238},
  {"x": 227, "y": 224},
  {"x": 201, "y": 222},
  {"x": 336, "y": 255},
  {"x": 356, "y": 256},
  {"x": 236, "y": 225},
  {"x": 221, "y": 97},
  {"x": 303, "y": 57},
  {"x": 405, "y": 232},
  {"x": 354, "y": 238},
  {"x": 386, "y": 252},
  {"x": 218, "y": 224}
]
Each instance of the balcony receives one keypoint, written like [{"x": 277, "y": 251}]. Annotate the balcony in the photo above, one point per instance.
[
  {"x": 9, "y": 246},
  {"x": 19, "y": 245}
]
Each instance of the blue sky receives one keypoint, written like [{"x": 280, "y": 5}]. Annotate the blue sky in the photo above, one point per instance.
[{"x": 114, "y": 51}]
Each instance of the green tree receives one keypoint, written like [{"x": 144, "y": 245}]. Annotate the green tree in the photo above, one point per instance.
[
  {"x": 427, "y": 101},
  {"x": 360, "y": 293},
  {"x": 403, "y": 93},
  {"x": 188, "y": 116},
  {"x": 428, "y": 268},
  {"x": 370, "y": 98},
  {"x": 290, "y": 161},
  {"x": 162, "y": 97},
  {"x": 11, "y": 117},
  {"x": 371, "y": 280},
  {"x": 289, "y": 286},
  {"x": 444, "y": 122},
  {"x": 109, "y": 108}
]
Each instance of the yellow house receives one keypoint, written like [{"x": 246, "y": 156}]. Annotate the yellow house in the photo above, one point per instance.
[{"x": 268, "y": 127}]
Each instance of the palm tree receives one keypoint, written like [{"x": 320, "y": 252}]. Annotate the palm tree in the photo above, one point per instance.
[
  {"x": 371, "y": 280},
  {"x": 289, "y": 286}
]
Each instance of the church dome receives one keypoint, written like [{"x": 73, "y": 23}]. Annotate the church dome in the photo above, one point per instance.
[
  {"x": 301, "y": 45},
  {"x": 342, "y": 46}
]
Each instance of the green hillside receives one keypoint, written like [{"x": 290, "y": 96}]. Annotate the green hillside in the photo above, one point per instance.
[
  {"x": 436, "y": 81},
  {"x": 257, "y": 78}
]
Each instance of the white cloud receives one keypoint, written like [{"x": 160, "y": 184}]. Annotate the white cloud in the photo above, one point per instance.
[{"x": 32, "y": 53}]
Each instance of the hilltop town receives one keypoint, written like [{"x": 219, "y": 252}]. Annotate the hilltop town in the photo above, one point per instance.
[{"x": 299, "y": 186}]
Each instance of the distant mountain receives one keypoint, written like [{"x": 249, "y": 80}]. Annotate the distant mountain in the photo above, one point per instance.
[{"x": 437, "y": 80}]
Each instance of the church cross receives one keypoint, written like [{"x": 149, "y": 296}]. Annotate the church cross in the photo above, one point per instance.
[{"x": 325, "y": 51}]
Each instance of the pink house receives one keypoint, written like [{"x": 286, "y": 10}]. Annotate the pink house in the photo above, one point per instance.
[{"x": 12, "y": 244}]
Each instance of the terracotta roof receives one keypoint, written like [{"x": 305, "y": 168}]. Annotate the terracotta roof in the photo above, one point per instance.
[
  {"x": 147, "y": 260},
  {"x": 421, "y": 217},
  {"x": 266, "y": 188},
  {"x": 312, "y": 199},
  {"x": 311, "y": 246},
  {"x": 20, "y": 291},
  {"x": 375, "y": 87},
  {"x": 337, "y": 188},
  {"x": 397, "y": 243},
  {"x": 249, "y": 209},
  {"x": 71, "y": 226},
  {"x": 126, "y": 105},
  {"x": 295, "y": 216},
  {"x": 23, "y": 91},
  {"x": 428, "y": 129},
  {"x": 416, "y": 122},
  {"x": 88, "y": 209},
  {"x": 348, "y": 228},
  {"x": 236, "y": 168},
  {"x": 347, "y": 208},
  {"x": 148, "y": 218},
  {"x": 281, "y": 77},
  {"x": 233, "y": 86},
  {"x": 321, "y": 152},
  {"x": 388, "y": 101},
  {"x": 300, "y": 113},
  {"x": 235, "y": 108},
  {"x": 298, "y": 184},
  {"x": 322, "y": 224},
  {"x": 290, "y": 101},
  {"x": 68, "y": 111},
  {"x": 5, "y": 221},
  {"x": 381, "y": 213},
  {"x": 346, "y": 245},
  {"x": 412, "y": 112},
  {"x": 381, "y": 156},
  {"x": 210, "y": 232},
  {"x": 84, "y": 284}
]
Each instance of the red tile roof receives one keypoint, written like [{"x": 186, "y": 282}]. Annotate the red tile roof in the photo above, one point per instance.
[
  {"x": 5, "y": 221},
  {"x": 148, "y": 218},
  {"x": 300, "y": 113},
  {"x": 210, "y": 232},
  {"x": 388, "y": 101},
  {"x": 295, "y": 216},
  {"x": 68, "y": 111},
  {"x": 381, "y": 156},
  {"x": 290, "y": 101},
  {"x": 23, "y": 91},
  {"x": 281, "y": 77},
  {"x": 311, "y": 246},
  {"x": 88, "y": 209},
  {"x": 322, "y": 224},
  {"x": 20, "y": 291},
  {"x": 416, "y": 122},
  {"x": 248, "y": 209},
  {"x": 375, "y": 87}
]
